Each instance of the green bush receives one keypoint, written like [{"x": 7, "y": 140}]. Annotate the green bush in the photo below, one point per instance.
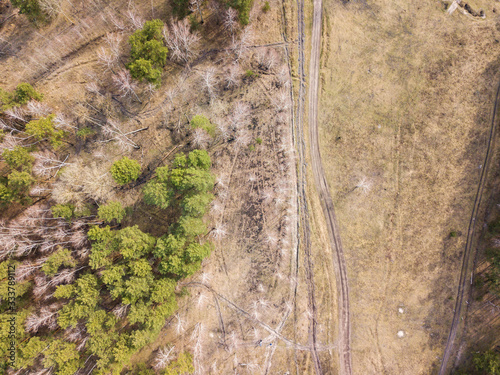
[
  {"x": 487, "y": 363},
  {"x": 23, "y": 93},
  {"x": 43, "y": 128},
  {"x": 29, "y": 7},
  {"x": 66, "y": 211},
  {"x": 85, "y": 132},
  {"x": 180, "y": 8},
  {"x": 194, "y": 23},
  {"x": 204, "y": 123},
  {"x": 243, "y": 7},
  {"x": 19, "y": 158},
  {"x": 125, "y": 170},
  {"x": 183, "y": 365},
  {"x": 250, "y": 74},
  {"x": 148, "y": 53},
  {"x": 143, "y": 69},
  {"x": 61, "y": 257},
  {"x": 20, "y": 182},
  {"x": 111, "y": 211},
  {"x": 266, "y": 8}
]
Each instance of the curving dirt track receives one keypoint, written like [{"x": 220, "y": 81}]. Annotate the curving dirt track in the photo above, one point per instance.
[
  {"x": 344, "y": 333},
  {"x": 466, "y": 264}
]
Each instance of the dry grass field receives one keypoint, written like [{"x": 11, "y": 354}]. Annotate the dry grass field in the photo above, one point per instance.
[{"x": 406, "y": 99}]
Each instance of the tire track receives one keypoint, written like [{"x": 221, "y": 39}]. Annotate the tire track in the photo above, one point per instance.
[
  {"x": 304, "y": 217},
  {"x": 325, "y": 197},
  {"x": 466, "y": 264}
]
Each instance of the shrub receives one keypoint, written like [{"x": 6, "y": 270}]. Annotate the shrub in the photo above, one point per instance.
[
  {"x": 143, "y": 69},
  {"x": 243, "y": 7},
  {"x": 66, "y": 211},
  {"x": 61, "y": 257},
  {"x": 183, "y": 365},
  {"x": 20, "y": 182},
  {"x": 85, "y": 132},
  {"x": 258, "y": 140},
  {"x": 18, "y": 158},
  {"x": 25, "y": 92},
  {"x": 204, "y": 123},
  {"x": 250, "y": 74},
  {"x": 44, "y": 129},
  {"x": 110, "y": 211},
  {"x": 148, "y": 54},
  {"x": 194, "y": 23},
  {"x": 180, "y": 8},
  {"x": 266, "y": 8},
  {"x": 29, "y": 7},
  {"x": 125, "y": 170},
  {"x": 487, "y": 363}
]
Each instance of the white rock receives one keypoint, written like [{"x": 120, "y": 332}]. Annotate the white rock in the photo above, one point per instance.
[{"x": 401, "y": 333}]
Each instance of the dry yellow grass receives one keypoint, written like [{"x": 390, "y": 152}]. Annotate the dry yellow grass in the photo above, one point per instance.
[{"x": 407, "y": 94}]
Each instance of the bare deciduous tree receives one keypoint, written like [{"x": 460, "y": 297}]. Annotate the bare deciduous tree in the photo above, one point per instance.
[
  {"x": 281, "y": 101},
  {"x": 179, "y": 328},
  {"x": 37, "y": 109},
  {"x": 164, "y": 357},
  {"x": 232, "y": 76},
  {"x": 219, "y": 231},
  {"x": 239, "y": 46},
  {"x": 240, "y": 115},
  {"x": 125, "y": 84},
  {"x": 209, "y": 82},
  {"x": 283, "y": 77},
  {"x": 117, "y": 22},
  {"x": 195, "y": 5},
  {"x": 230, "y": 20},
  {"x": 47, "y": 163},
  {"x": 243, "y": 138},
  {"x": 79, "y": 182},
  {"x": 63, "y": 122},
  {"x": 15, "y": 113},
  {"x": 201, "y": 138},
  {"x": 120, "y": 311},
  {"x": 50, "y": 7},
  {"x": 182, "y": 44},
  {"x": 45, "y": 318},
  {"x": 136, "y": 21},
  {"x": 93, "y": 87}
]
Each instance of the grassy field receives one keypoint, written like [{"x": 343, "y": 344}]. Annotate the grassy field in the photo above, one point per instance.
[{"x": 407, "y": 94}]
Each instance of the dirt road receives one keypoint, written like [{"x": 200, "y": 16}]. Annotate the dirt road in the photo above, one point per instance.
[
  {"x": 466, "y": 261},
  {"x": 344, "y": 334}
]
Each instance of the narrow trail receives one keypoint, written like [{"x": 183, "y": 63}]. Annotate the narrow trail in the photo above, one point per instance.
[
  {"x": 304, "y": 217},
  {"x": 325, "y": 197},
  {"x": 466, "y": 263}
]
